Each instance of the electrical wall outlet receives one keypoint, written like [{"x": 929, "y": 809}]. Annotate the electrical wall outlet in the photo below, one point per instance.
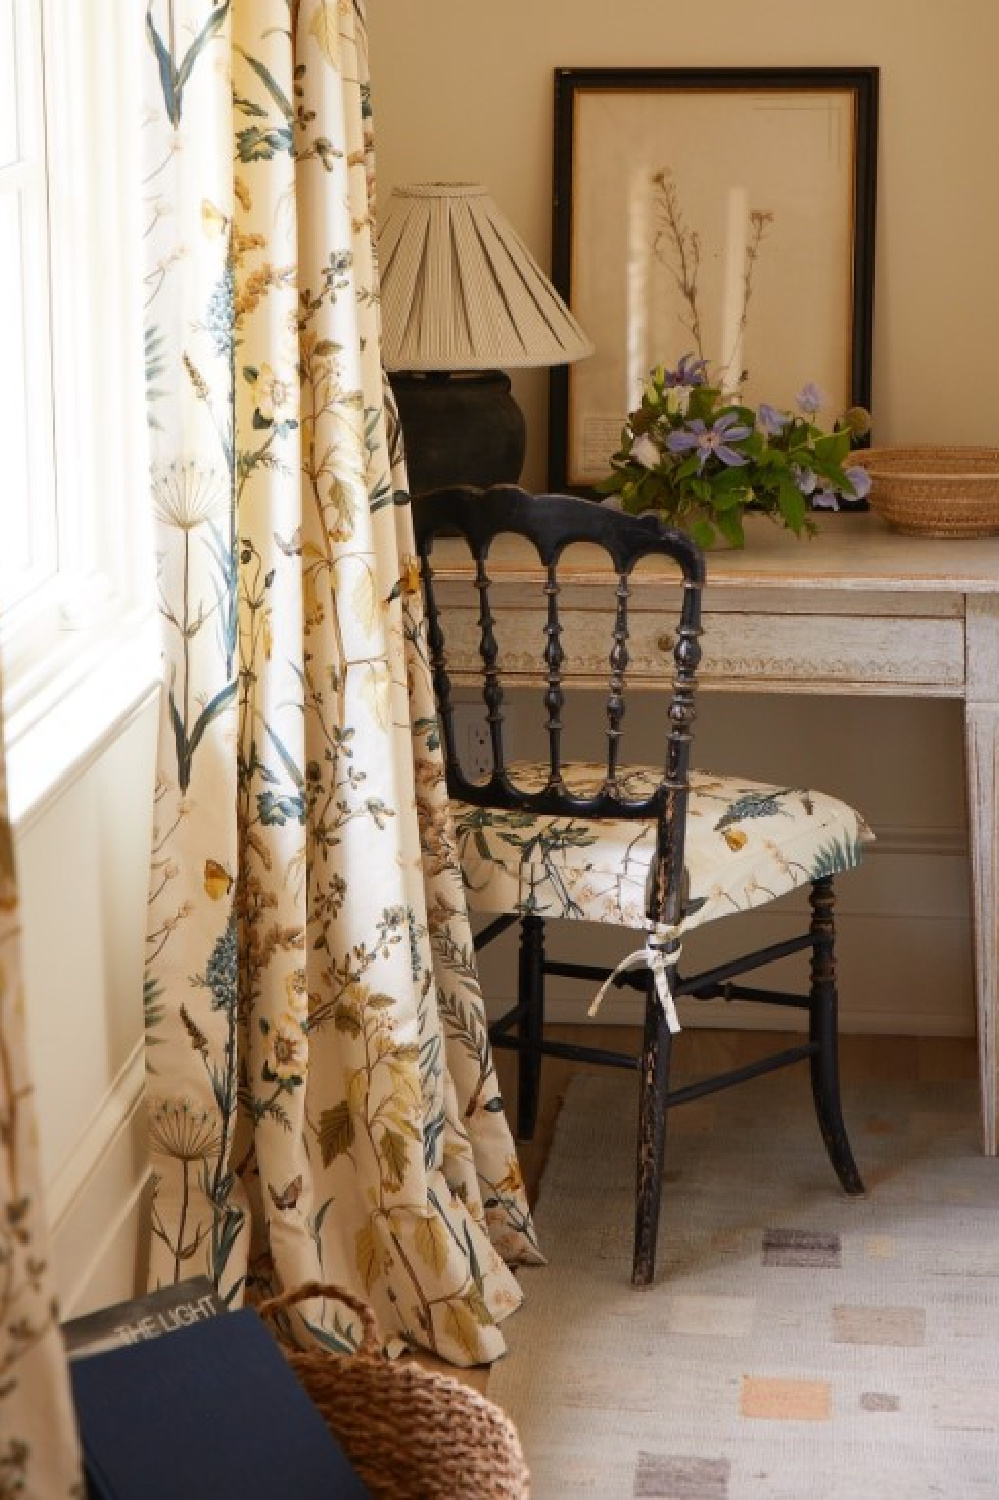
[{"x": 472, "y": 736}]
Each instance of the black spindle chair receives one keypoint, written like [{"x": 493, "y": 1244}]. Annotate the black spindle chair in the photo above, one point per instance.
[{"x": 689, "y": 847}]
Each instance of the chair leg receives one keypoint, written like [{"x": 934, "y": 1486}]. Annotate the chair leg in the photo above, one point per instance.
[
  {"x": 823, "y": 1033},
  {"x": 653, "y": 1088},
  {"x": 530, "y": 1027}
]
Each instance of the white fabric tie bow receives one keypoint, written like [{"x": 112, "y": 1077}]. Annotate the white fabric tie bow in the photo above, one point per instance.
[{"x": 653, "y": 956}]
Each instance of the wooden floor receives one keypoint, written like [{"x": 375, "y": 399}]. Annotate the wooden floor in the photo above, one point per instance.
[{"x": 862, "y": 1058}]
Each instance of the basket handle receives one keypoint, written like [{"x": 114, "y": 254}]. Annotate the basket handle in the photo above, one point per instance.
[{"x": 371, "y": 1340}]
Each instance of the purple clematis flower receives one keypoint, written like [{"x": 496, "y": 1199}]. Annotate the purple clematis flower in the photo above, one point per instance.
[
  {"x": 860, "y": 482},
  {"x": 824, "y": 497},
  {"x": 711, "y": 441},
  {"x": 771, "y": 421},
  {"x": 805, "y": 480},
  {"x": 810, "y": 398},
  {"x": 689, "y": 371}
]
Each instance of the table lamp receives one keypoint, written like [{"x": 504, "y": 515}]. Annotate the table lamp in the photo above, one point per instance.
[{"x": 461, "y": 297}]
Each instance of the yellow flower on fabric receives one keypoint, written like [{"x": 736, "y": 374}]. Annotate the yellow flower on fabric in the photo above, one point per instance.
[
  {"x": 296, "y": 988},
  {"x": 288, "y": 1053},
  {"x": 276, "y": 395}
]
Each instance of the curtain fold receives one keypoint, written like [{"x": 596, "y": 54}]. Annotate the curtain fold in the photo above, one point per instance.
[
  {"x": 39, "y": 1454},
  {"x": 323, "y": 1103}
]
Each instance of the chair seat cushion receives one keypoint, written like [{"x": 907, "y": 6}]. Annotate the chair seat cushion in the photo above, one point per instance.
[{"x": 746, "y": 844}]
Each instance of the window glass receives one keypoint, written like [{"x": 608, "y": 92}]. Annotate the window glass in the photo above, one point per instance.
[{"x": 8, "y": 85}]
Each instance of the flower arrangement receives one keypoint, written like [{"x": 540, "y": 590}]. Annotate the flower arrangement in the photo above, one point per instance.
[{"x": 702, "y": 459}]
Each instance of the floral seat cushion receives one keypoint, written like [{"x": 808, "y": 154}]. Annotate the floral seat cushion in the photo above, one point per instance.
[{"x": 746, "y": 844}]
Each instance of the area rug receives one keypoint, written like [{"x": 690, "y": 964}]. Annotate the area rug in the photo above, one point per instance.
[{"x": 797, "y": 1344}]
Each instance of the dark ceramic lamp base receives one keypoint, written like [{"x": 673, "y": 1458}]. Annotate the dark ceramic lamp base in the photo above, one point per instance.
[{"x": 462, "y": 428}]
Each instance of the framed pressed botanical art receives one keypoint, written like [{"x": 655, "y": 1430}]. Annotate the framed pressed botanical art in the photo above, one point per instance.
[{"x": 722, "y": 213}]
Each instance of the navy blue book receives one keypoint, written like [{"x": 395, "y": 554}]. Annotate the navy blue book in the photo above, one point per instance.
[{"x": 213, "y": 1412}]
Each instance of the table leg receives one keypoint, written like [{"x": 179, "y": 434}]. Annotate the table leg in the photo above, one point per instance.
[{"x": 982, "y": 767}]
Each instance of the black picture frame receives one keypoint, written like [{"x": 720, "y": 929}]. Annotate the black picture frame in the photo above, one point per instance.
[{"x": 702, "y": 127}]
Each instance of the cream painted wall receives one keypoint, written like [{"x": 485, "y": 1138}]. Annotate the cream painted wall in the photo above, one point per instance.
[
  {"x": 83, "y": 875},
  {"x": 464, "y": 91}
]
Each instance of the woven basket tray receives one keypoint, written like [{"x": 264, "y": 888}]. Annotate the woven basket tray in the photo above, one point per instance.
[
  {"x": 411, "y": 1433},
  {"x": 948, "y": 492}
]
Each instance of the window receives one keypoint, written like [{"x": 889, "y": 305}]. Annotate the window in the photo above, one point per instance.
[
  {"x": 29, "y": 555},
  {"x": 76, "y": 582}
]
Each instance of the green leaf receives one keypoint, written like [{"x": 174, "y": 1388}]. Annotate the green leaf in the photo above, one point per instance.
[
  {"x": 702, "y": 403},
  {"x": 336, "y": 1132},
  {"x": 173, "y": 79},
  {"x": 395, "y": 1154},
  {"x": 254, "y": 144},
  {"x": 791, "y": 503},
  {"x": 287, "y": 759},
  {"x": 347, "y": 1018},
  {"x": 247, "y": 107},
  {"x": 367, "y": 1256},
  {"x": 832, "y": 447},
  {"x": 729, "y": 523},
  {"x": 703, "y": 532},
  {"x": 211, "y": 710},
  {"x": 730, "y": 498},
  {"x": 430, "y": 1242},
  {"x": 614, "y": 482},
  {"x": 270, "y": 84}
]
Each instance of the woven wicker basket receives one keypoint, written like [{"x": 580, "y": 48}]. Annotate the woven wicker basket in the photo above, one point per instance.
[
  {"x": 948, "y": 492},
  {"x": 411, "y": 1433}
]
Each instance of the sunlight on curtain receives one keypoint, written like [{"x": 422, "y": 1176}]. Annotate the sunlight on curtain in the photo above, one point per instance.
[
  {"x": 39, "y": 1458},
  {"x": 322, "y": 1096}
]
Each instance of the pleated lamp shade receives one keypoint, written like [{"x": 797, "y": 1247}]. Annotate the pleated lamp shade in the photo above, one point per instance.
[
  {"x": 463, "y": 298},
  {"x": 461, "y": 291}
]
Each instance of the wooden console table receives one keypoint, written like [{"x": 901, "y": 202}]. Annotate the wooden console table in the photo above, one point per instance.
[{"x": 858, "y": 609}]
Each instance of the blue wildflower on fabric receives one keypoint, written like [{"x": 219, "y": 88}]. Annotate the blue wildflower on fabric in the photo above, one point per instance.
[
  {"x": 220, "y": 970},
  {"x": 220, "y": 315},
  {"x": 713, "y": 441}
]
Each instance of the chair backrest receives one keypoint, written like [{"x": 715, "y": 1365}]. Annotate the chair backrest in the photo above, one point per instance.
[{"x": 552, "y": 523}]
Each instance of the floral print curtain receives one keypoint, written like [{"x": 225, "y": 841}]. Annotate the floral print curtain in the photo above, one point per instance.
[
  {"x": 322, "y": 1098},
  {"x": 39, "y": 1456}
]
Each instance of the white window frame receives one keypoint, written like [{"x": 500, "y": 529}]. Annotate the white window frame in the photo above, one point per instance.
[{"x": 81, "y": 650}]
